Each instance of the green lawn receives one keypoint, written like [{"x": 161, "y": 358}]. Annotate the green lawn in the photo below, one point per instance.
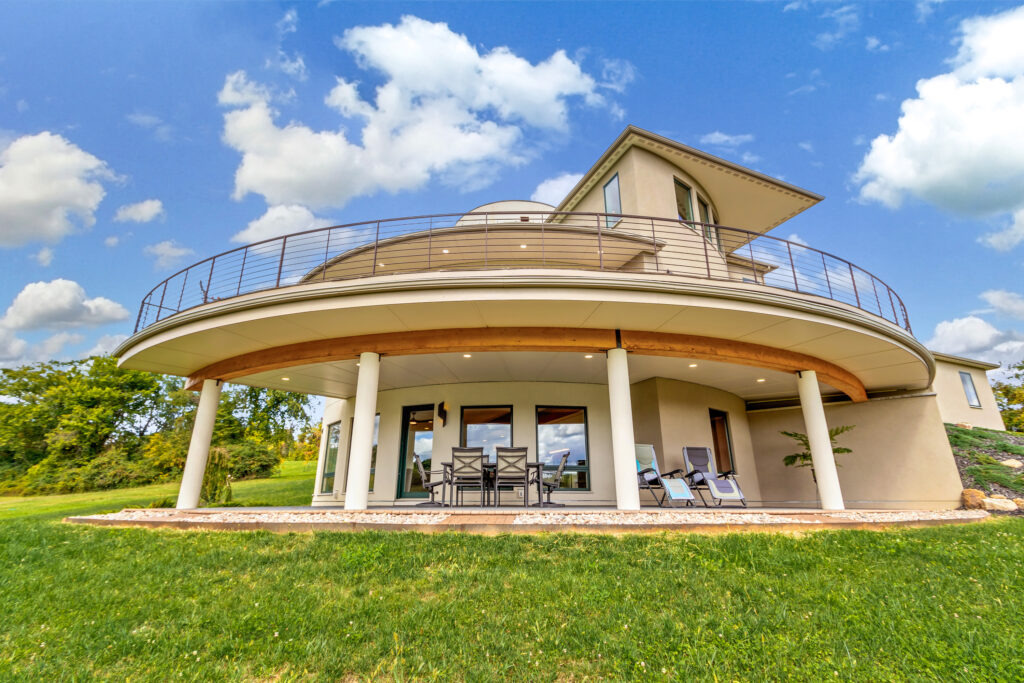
[{"x": 82, "y": 603}]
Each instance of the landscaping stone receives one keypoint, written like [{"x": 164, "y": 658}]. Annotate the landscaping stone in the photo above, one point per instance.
[
  {"x": 973, "y": 499},
  {"x": 1019, "y": 503},
  {"x": 998, "y": 496},
  {"x": 1000, "y": 505},
  {"x": 1014, "y": 463}
]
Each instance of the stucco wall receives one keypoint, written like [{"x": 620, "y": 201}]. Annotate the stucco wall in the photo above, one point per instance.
[
  {"x": 901, "y": 457},
  {"x": 953, "y": 406}
]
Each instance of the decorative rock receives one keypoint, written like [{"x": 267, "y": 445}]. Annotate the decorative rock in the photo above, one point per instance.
[
  {"x": 1000, "y": 504},
  {"x": 964, "y": 425},
  {"x": 1019, "y": 502},
  {"x": 973, "y": 499},
  {"x": 1014, "y": 463},
  {"x": 998, "y": 496}
]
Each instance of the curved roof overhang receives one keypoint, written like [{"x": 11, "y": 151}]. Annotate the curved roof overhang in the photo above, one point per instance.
[{"x": 319, "y": 329}]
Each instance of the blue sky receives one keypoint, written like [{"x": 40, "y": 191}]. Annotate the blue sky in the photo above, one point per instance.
[{"x": 139, "y": 137}]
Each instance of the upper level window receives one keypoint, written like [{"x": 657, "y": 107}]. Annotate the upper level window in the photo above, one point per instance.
[
  {"x": 972, "y": 393},
  {"x": 612, "y": 200},
  {"x": 710, "y": 232},
  {"x": 684, "y": 201}
]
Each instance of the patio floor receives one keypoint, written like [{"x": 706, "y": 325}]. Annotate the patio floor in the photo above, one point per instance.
[{"x": 531, "y": 520}]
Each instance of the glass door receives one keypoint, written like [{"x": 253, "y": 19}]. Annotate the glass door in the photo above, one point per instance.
[{"x": 418, "y": 439}]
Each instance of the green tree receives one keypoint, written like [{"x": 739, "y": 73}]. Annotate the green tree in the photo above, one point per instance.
[
  {"x": 803, "y": 458},
  {"x": 1010, "y": 398}
]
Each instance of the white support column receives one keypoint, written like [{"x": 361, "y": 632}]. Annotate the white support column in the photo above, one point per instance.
[
  {"x": 361, "y": 449},
  {"x": 199, "y": 446},
  {"x": 821, "y": 444},
  {"x": 620, "y": 409}
]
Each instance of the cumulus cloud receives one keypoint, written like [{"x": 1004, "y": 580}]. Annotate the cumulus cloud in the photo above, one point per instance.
[
  {"x": 846, "y": 20},
  {"x": 291, "y": 65},
  {"x": 279, "y": 220},
  {"x": 1005, "y": 303},
  {"x": 12, "y": 347},
  {"x": 976, "y": 338},
  {"x": 48, "y": 187},
  {"x": 725, "y": 140},
  {"x": 167, "y": 253},
  {"x": 161, "y": 131},
  {"x": 44, "y": 256},
  {"x": 140, "y": 212},
  {"x": 925, "y": 8},
  {"x": 59, "y": 304},
  {"x": 960, "y": 143},
  {"x": 553, "y": 190},
  {"x": 106, "y": 344},
  {"x": 874, "y": 44},
  {"x": 111, "y": 241},
  {"x": 444, "y": 110}
]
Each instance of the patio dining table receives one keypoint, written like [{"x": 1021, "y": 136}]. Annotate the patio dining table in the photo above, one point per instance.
[{"x": 491, "y": 467}]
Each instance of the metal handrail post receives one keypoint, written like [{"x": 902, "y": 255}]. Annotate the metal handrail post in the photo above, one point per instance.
[
  {"x": 376, "y": 243},
  {"x": 792, "y": 265},
  {"x": 280, "y": 262},
  {"x": 241, "y": 272},
  {"x": 853, "y": 281},
  {"x": 828, "y": 281},
  {"x": 600, "y": 247},
  {"x": 654, "y": 246}
]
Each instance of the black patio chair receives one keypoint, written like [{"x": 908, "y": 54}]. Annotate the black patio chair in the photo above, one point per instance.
[
  {"x": 555, "y": 481},
  {"x": 430, "y": 484},
  {"x": 467, "y": 473},
  {"x": 510, "y": 472}
]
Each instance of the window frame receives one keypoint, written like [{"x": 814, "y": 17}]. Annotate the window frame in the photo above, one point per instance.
[
  {"x": 373, "y": 453},
  {"x": 689, "y": 196},
  {"x": 327, "y": 459},
  {"x": 610, "y": 222},
  {"x": 965, "y": 378},
  {"x": 511, "y": 422},
  {"x": 586, "y": 440}
]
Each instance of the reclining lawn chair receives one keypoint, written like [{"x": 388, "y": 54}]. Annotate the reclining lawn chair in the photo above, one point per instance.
[
  {"x": 671, "y": 484},
  {"x": 703, "y": 474}
]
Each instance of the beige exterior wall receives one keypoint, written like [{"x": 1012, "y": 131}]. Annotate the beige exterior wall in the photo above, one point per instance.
[
  {"x": 524, "y": 398},
  {"x": 900, "y": 458},
  {"x": 671, "y": 414},
  {"x": 953, "y": 405}
]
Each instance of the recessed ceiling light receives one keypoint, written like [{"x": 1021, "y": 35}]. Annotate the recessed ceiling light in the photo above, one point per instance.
[
  {"x": 467, "y": 355},
  {"x": 381, "y": 264},
  {"x": 761, "y": 379},
  {"x": 444, "y": 251},
  {"x": 522, "y": 246},
  {"x": 589, "y": 355},
  {"x": 286, "y": 379},
  {"x": 693, "y": 365}
]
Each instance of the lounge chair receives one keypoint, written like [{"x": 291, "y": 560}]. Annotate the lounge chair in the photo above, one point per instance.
[
  {"x": 511, "y": 471},
  {"x": 671, "y": 484},
  {"x": 702, "y": 473},
  {"x": 431, "y": 483}
]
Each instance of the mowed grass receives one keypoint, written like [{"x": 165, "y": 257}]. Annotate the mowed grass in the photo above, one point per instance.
[{"x": 81, "y": 603}]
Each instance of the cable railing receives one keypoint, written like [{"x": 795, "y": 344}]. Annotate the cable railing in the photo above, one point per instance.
[{"x": 508, "y": 240}]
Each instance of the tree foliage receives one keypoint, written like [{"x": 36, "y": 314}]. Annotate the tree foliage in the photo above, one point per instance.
[
  {"x": 82, "y": 425},
  {"x": 1010, "y": 398}
]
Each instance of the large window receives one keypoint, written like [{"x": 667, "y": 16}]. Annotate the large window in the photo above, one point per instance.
[
  {"x": 969, "y": 389},
  {"x": 612, "y": 200},
  {"x": 560, "y": 427},
  {"x": 487, "y": 427},
  {"x": 330, "y": 458},
  {"x": 710, "y": 232},
  {"x": 373, "y": 452}
]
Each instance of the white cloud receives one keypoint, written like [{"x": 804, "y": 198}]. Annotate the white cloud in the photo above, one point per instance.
[
  {"x": 959, "y": 143},
  {"x": 874, "y": 44},
  {"x": 112, "y": 241},
  {"x": 749, "y": 158},
  {"x": 106, "y": 345},
  {"x": 925, "y": 8},
  {"x": 725, "y": 140},
  {"x": 806, "y": 146},
  {"x": 12, "y": 348},
  {"x": 44, "y": 256},
  {"x": 140, "y": 212},
  {"x": 279, "y": 220},
  {"x": 976, "y": 338},
  {"x": 294, "y": 66},
  {"x": 847, "y": 20},
  {"x": 161, "y": 131},
  {"x": 1005, "y": 303},
  {"x": 616, "y": 74},
  {"x": 881, "y": 97},
  {"x": 59, "y": 304},
  {"x": 47, "y": 186},
  {"x": 167, "y": 253},
  {"x": 53, "y": 345},
  {"x": 553, "y": 190},
  {"x": 444, "y": 110},
  {"x": 797, "y": 239}
]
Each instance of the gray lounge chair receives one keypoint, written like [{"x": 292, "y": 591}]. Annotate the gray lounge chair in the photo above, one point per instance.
[
  {"x": 552, "y": 484},
  {"x": 511, "y": 471},
  {"x": 432, "y": 482},
  {"x": 703, "y": 474},
  {"x": 467, "y": 473},
  {"x": 649, "y": 477}
]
